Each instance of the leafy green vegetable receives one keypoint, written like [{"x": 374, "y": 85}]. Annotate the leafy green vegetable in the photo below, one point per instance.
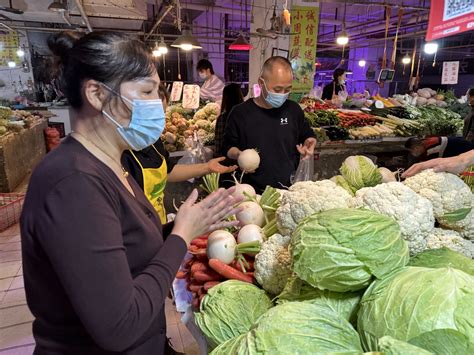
[
  {"x": 457, "y": 215},
  {"x": 359, "y": 171},
  {"x": 229, "y": 309},
  {"x": 344, "y": 249},
  {"x": 345, "y": 304},
  {"x": 444, "y": 257},
  {"x": 390, "y": 346},
  {"x": 429, "y": 308},
  {"x": 297, "y": 328}
]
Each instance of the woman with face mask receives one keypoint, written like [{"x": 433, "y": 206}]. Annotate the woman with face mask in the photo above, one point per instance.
[
  {"x": 213, "y": 86},
  {"x": 97, "y": 262},
  {"x": 152, "y": 168},
  {"x": 338, "y": 84}
]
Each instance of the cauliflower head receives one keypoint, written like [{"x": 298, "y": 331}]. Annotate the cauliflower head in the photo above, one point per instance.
[
  {"x": 447, "y": 192},
  {"x": 440, "y": 238},
  {"x": 464, "y": 227},
  {"x": 413, "y": 213},
  {"x": 212, "y": 108},
  {"x": 308, "y": 197},
  {"x": 273, "y": 264}
]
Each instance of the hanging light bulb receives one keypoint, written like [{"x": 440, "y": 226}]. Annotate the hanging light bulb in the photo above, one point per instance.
[
  {"x": 162, "y": 47},
  {"x": 431, "y": 48},
  {"x": 362, "y": 63},
  {"x": 156, "y": 51},
  {"x": 406, "y": 60},
  {"x": 20, "y": 52},
  {"x": 342, "y": 39},
  {"x": 186, "y": 42},
  {"x": 11, "y": 64}
]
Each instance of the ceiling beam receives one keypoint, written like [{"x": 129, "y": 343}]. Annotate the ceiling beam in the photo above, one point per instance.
[{"x": 80, "y": 7}]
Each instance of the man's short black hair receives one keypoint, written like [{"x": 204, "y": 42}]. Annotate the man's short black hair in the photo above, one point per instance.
[
  {"x": 471, "y": 92},
  {"x": 338, "y": 72},
  {"x": 270, "y": 62},
  {"x": 204, "y": 64}
]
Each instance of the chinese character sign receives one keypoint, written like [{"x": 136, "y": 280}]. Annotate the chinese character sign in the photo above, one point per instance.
[
  {"x": 450, "y": 73},
  {"x": 304, "y": 27},
  {"x": 176, "y": 91},
  {"x": 191, "y": 95},
  {"x": 9, "y": 44},
  {"x": 450, "y": 17}
]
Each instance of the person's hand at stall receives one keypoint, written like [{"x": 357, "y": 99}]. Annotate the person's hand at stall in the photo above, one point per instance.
[
  {"x": 306, "y": 150},
  {"x": 197, "y": 218},
  {"x": 183, "y": 172},
  {"x": 215, "y": 166},
  {"x": 454, "y": 165}
]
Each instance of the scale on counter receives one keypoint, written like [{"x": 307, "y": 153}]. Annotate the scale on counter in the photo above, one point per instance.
[{"x": 386, "y": 75}]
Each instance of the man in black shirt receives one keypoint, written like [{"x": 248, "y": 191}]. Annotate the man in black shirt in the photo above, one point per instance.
[{"x": 273, "y": 125}]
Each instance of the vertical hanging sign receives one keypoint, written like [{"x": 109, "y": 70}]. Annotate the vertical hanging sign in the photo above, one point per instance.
[
  {"x": 304, "y": 27},
  {"x": 9, "y": 44},
  {"x": 450, "y": 73}
]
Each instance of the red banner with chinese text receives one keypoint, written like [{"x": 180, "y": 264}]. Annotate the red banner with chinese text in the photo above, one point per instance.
[{"x": 450, "y": 17}]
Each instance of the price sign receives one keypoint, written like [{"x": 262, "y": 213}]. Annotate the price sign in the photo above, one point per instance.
[
  {"x": 191, "y": 95},
  {"x": 450, "y": 73},
  {"x": 176, "y": 91}
]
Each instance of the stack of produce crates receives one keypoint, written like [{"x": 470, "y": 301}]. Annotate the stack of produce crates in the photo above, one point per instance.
[{"x": 10, "y": 209}]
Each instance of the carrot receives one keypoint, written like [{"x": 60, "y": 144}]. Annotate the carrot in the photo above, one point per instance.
[
  {"x": 181, "y": 275},
  {"x": 195, "y": 287},
  {"x": 204, "y": 236},
  {"x": 201, "y": 292},
  {"x": 199, "y": 266},
  {"x": 211, "y": 275},
  {"x": 192, "y": 248},
  {"x": 228, "y": 271},
  {"x": 200, "y": 243},
  {"x": 210, "y": 284}
]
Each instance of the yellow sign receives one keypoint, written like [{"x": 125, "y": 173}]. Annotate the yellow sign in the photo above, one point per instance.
[
  {"x": 303, "y": 43},
  {"x": 9, "y": 45}
]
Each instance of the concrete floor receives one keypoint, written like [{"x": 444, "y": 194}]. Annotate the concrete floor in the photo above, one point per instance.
[{"x": 16, "y": 320}]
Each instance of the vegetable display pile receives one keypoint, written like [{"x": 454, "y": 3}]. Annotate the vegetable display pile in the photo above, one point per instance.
[{"x": 16, "y": 120}]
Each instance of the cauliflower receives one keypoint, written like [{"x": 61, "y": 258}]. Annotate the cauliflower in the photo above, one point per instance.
[
  {"x": 465, "y": 227},
  {"x": 413, "y": 213},
  {"x": 273, "y": 264},
  {"x": 212, "y": 108},
  {"x": 308, "y": 197},
  {"x": 440, "y": 238},
  {"x": 447, "y": 192},
  {"x": 200, "y": 115}
]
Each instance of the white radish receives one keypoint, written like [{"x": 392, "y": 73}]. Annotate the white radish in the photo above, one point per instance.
[
  {"x": 221, "y": 245},
  {"x": 249, "y": 160},
  {"x": 387, "y": 175},
  {"x": 250, "y": 233},
  {"x": 241, "y": 188},
  {"x": 251, "y": 213}
]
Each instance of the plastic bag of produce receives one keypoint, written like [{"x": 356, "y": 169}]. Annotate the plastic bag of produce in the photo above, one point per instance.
[
  {"x": 197, "y": 154},
  {"x": 304, "y": 172}
]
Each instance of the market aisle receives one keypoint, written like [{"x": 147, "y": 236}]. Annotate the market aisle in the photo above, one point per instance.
[{"x": 16, "y": 319}]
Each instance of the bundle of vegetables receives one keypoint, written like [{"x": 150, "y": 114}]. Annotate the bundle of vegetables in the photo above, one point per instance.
[
  {"x": 321, "y": 118},
  {"x": 343, "y": 250},
  {"x": 177, "y": 129},
  {"x": 406, "y": 112},
  {"x": 320, "y": 134},
  {"x": 403, "y": 127},
  {"x": 309, "y": 104},
  {"x": 387, "y": 102},
  {"x": 428, "y": 96},
  {"x": 355, "y": 119},
  {"x": 335, "y": 133},
  {"x": 296, "y": 328},
  {"x": 462, "y": 109},
  {"x": 368, "y": 132},
  {"x": 426, "y": 307},
  {"x": 204, "y": 121},
  {"x": 439, "y": 121}
]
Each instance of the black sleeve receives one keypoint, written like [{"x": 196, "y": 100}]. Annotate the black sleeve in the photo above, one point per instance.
[
  {"x": 327, "y": 92},
  {"x": 130, "y": 164},
  {"x": 89, "y": 258},
  {"x": 304, "y": 129},
  {"x": 161, "y": 148},
  {"x": 232, "y": 131}
]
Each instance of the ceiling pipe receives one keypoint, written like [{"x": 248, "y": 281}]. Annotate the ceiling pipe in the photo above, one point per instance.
[
  {"x": 84, "y": 15},
  {"x": 157, "y": 23}
]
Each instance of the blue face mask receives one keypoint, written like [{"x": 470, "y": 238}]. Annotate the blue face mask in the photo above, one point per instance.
[
  {"x": 146, "y": 124},
  {"x": 274, "y": 99}
]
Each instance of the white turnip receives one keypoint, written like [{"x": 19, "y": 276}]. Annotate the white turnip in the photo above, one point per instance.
[
  {"x": 251, "y": 213},
  {"x": 244, "y": 190},
  {"x": 249, "y": 160},
  {"x": 221, "y": 245},
  {"x": 250, "y": 233}
]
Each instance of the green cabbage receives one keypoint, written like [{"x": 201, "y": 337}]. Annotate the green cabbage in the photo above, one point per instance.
[
  {"x": 297, "y": 328},
  {"x": 344, "y": 249},
  {"x": 340, "y": 181},
  {"x": 360, "y": 171},
  {"x": 345, "y": 304},
  {"x": 390, "y": 346},
  {"x": 443, "y": 257},
  {"x": 430, "y": 308},
  {"x": 229, "y": 309}
]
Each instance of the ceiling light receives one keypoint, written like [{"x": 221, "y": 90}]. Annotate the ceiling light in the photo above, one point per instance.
[
  {"x": 57, "y": 6},
  {"x": 431, "y": 48},
  {"x": 186, "y": 42},
  {"x": 406, "y": 60},
  {"x": 240, "y": 44},
  {"x": 156, "y": 53},
  {"x": 342, "y": 39},
  {"x": 11, "y": 64},
  {"x": 20, "y": 52},
  {"x": 162, "y": 46},
  {"x": 362, "y": 63}
]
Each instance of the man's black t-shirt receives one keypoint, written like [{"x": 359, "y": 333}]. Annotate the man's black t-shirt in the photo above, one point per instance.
[{"x": 274, "y": 133}]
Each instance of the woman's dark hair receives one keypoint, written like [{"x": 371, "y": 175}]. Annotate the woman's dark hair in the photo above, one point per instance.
[
  {"x": 109, "y": 57},
  {"x": 204, "y": 64},
  {"x": 164, "y": 93},
  {"x": 231, "y": 96},
  {"x": 337, "y": 73}
]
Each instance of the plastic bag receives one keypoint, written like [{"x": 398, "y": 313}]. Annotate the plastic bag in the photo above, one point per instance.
[
  {"x": 304, "y": 172},
  {"x": 196, "y": 154}
]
